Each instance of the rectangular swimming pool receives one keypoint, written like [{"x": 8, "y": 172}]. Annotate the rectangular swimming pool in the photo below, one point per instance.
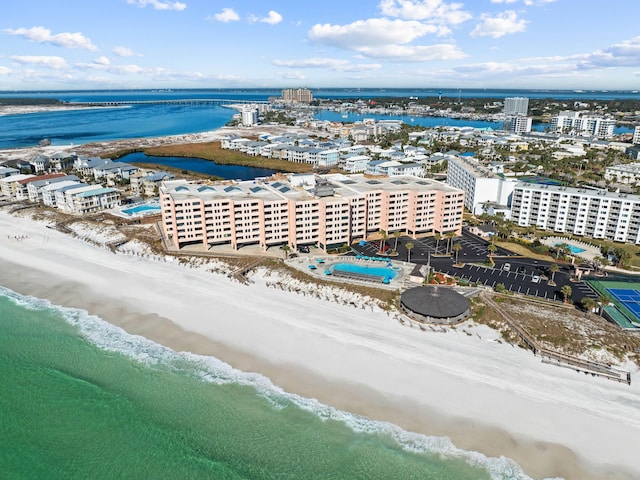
[
  {"x": 140, "y": 209},
  {"x": 384, "y": 273}
]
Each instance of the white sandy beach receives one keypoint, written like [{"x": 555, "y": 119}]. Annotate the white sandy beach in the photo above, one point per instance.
[{"x": 486, "y": 395}]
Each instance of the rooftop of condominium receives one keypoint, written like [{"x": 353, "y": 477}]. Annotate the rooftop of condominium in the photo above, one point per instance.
[
  {"x": 301, "y": 187},
  {"x": 585, "y": 191}
]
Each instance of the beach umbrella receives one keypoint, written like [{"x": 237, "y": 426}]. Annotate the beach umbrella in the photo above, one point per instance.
[
  {"x": 358, "y": 256},
  {"x": 362, "y": 243},
  {"x": 312, "y": 267},
  {"x": 366, "y": 258},
  {"x": 320, "y": 260},
  {"x": 327, "y": 272}
]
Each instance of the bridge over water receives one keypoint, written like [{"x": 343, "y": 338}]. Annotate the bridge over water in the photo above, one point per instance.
[{"x": 181, "y": 101}]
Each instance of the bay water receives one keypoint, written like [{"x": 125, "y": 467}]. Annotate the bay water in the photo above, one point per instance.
[{"x": 81, "y": 398}]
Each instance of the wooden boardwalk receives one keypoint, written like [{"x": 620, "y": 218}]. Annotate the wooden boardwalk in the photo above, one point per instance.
[{"x": 557, "y": 358}]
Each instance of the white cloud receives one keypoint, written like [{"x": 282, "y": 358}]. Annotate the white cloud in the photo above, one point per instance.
[
  {"x": 125, "y": 52},
  {"x": 227, "y": 15},
  {"x": 625, "y": 54},
  {"x": 159, "y": 5},
  {"x": 369, "y": 33},
  {"x": 504, "y": 1},
  {"x": 56, "y": 63},
  {"x": 537, "y": 3},
  {"x": 415, "y": 53},
  {"x": 502, "y": 24},
  {"x": 292, "y": 75},
  {"x": 102, "y": 61},
  {"x": 5, "y": 70},
  {"x": 382, "y": 38},
  {"x": 435, "y": 11},
  {"x": 332, "y": 63},
  {"x": 43, "y": 35},
  {"x": 272, "y": 18}
]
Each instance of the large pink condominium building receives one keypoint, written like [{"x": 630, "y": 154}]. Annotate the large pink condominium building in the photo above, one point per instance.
[{"x": 307, "y": 209}]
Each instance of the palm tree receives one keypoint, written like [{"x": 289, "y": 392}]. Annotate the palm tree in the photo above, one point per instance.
[
  {"x": 437, "y": 237},
  {"x": 491, "y": 248},
  {"x": 383, "y": 240},
  {"x": 450, "y": 236},
  {"x": 286, "y": 249},
  {"x": 566, "y": 292},
  {"x": 588, "y": 304},
  {"x": 456, "y": 248},
  {"x": 553, "y": 268},
  {"x": 409, "y": 246},
  {"x": 396, "y": 234},
  {"x": 603, "y": 300}
]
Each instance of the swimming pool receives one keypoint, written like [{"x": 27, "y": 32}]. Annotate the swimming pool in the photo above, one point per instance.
[
  {"x": 572, "y": 248},
  {"x": 142, "y": 209},
  {"x": 384, "y": 274}
]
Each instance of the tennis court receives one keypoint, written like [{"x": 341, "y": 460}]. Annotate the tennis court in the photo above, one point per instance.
[
  {"x": 629, "y": 298},
  {"x": 626, "y": 298}
]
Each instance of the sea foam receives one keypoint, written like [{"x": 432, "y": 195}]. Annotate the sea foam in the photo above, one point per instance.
[{"x": 111, "y": 338}]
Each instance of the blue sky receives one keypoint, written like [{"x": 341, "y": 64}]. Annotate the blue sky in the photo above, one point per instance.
[{"x": 549, "y": 44}]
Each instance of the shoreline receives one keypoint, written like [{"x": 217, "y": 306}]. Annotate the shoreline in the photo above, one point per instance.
[{"x": 310, "y": 358}]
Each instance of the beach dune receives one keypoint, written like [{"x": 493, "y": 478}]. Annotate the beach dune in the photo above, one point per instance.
[{"x": 463, "y": 383}]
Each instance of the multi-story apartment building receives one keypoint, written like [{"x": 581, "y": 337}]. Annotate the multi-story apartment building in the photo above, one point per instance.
[
  {"x": 628, "y": 173},
  {"x": 636, "y": 135},
  {"x": 517, "y": 124},
  {"x": 516, "y": 106},
  {"x": 480, "y": 184},
  {"x": 570, "y": 122},
  {"x": 325, "y": 210},
  {"x": 578, "y": 211},
  {"x": 297, "y": 95}
]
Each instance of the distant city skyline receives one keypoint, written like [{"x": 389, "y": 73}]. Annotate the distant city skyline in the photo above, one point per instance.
[{"x": 519, "y": 44}]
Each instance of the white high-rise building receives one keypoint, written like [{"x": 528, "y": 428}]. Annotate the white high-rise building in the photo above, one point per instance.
[
  {"x": 518, "y": 124},
  {"x": 570, "y": 122},
  {"x": 578, "y": 211},
  {"x": 636, "y": 135},
  {"x": 516, "y": 106},
  {"x": 249, "y": 116},
  {"x": 481, "y": 185}
]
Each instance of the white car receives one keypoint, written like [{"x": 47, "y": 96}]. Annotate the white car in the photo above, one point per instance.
[
  {"x": 506, "y": 267},
  {"x": 535, "y": 278}
]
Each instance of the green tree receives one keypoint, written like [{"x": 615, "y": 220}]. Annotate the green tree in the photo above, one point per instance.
[
  {"x": 553, "y": 268},
  {"x": 588, "y": 304},
  {"x": 437, "y": 236},
  {"x": 456, "y": 248},
  {"x": 603, "y": 301},
  {"x": 286, "y": 249},
  {"x": 449, "y": 236},
  {"x": 397, "y": 234},
  {"x": 566, "y": 291},
  {"x": 409, "y": 246},
  {"x": 383, "y": 240},
  {"x": 491, "y": 248}
]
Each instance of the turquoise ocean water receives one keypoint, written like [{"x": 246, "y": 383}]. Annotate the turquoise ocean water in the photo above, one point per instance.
[{"x": 83, "y": 399}]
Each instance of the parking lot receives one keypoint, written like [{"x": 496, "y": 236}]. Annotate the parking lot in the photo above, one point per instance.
[{"x": 525, "y": 275}]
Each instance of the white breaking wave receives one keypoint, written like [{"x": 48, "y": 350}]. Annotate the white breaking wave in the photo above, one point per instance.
[{"x": 111, "y": 338}]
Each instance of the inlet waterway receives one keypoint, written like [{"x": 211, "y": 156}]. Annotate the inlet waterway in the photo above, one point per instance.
[{"x": 199, "y": 165}]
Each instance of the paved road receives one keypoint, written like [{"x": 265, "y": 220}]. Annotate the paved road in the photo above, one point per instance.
[{"x": 519, "y": 279}]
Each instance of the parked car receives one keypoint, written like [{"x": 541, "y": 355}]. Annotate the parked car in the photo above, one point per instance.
[
  {"x": 506, "y": 267},
  {"x": 303, "y": 249},
  {"x": 535, "y": 278}
]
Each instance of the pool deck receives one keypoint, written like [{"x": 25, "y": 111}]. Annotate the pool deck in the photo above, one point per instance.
[
  {"x": 120, "y": 211},
  {"x": 324, "y": 262},
  {"x": 590, "y": 251}
]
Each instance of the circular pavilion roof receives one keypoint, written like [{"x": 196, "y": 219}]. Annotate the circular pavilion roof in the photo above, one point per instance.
[{"x": 435, "y": 302}]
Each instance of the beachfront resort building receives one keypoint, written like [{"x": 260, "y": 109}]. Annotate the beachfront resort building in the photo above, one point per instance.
[
  {"x": 294, "y": 210},
  {"x": 627, "y": 173},
  {"x": 593, "y": 213},
  {"x": 297, "y": 95},
  {"x": 573, "y": 123},
  {"x": 516, "y": 106},
  {"x": 481, "y": 185}
]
